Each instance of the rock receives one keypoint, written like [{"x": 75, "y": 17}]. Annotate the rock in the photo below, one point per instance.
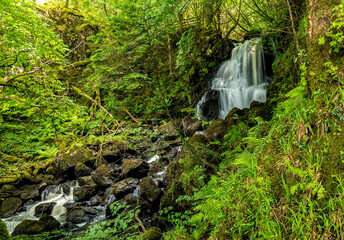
[
  {"x": 4, "y": 235},
  {"x": 190, "y": 126},
  {"x": 157, "y": 166},
  {"x": 44, "y": 209},
  {"x": 149, "y": 190},
  {"x": 88, "y": 180},
  {"x": 210, "y": 108},
  {"x": 124, "y": 187},
  {"x": 64, "y": 164},
  {"x": 82, "y": 170},
  {"x": 102, "y": 176},
  {"x": 31, "y": 227},
  {"x": 169, "y": 131},
  {"x": 71, "y": 205},
  {"x": 113, "y": 156},
  {"x": 84, "y": 192},
  {"x": 10, "y": 206},
  {"x": 31, "y": 192},
  {"x": 153, "y": 233},
  {"x": 137, "y": 201},
  {"x": 217, "y": 130},
  {"x": 81, "y": 214},
  {"x": 9, "y": 191},
  {"x": 95, "y": 200},
  {"x": 136, "y": 168}
]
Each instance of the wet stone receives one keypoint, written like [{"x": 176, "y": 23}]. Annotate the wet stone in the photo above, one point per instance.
[{"x": 44, "y": 209}]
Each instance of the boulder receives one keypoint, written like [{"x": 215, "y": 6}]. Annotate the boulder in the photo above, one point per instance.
[
  {"x": 64, "y": 164},
  {"x": 190, "y": 126},
  {"x": 31, "y": 227},
  {"x": 82, "y": 170},
  {"x": 4, "y": 235},
  {"x": 112, "y": 156},
  {"x": 137, "y": 201},
  {"x": 149, "y": 190},
  {"x": 84, "y": 192},
  {"x": 217, "y": 130},
  {"x": 124, "y": 187},
  {"x": 136, "y": 168},
  {"x": 153, "y": 233},
  {"x": 71, "y": 205},
  {"x": 81, "y": 214},
  {"x": 210, "y": 107},
  {"x": 31, "y": 192},
  {"x": 102, "y": 176},
  {"x": 9, "y": 191},
  {"x": 88, "y": 180},
  {"x": 169, "y": 131},
  {"x": 10, "y": 206},
  {"x": 44, "y": 209}
]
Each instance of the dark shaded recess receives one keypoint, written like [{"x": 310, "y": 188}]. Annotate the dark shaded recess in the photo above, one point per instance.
[{"x": 210, "y": 108}]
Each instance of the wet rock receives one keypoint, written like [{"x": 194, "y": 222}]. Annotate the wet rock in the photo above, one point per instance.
[
  {"x": 30, "y": 192},
  {"x": 81, "y": 214},
  {"x": 82, "y": 170},
  {"x": 88, "y": 180},
  {"x": 190, "y": 126},
  {"x": 44, "y": 209},
  {"x": 31, "y": 227},
  {"x": 95, "y": 200},
  {"x": 102, "y": 176},
  {"x": 124, "y": 187},
  {"x": 84, "y": 192},
  {"x": 137, "y": 201},
  {"x": 210, "y": 108},
  {"x": 149, "y": 190},
  {"x": 157, "y": 166},
  {"x": 169, "y": 131},
  {"x": 10, "y": 206},
  {"x": 112, "y": 156},
  {"x": 64, "y": 165},
  {"x": 136, "y": 168},
  {"x": 153, "y": 233},
  {"x": 71, "y": 205},
  {"x": 217, "y": 130}
]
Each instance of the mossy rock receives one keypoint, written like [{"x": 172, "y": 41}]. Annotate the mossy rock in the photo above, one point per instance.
[
  {"x": 171, "y": 195},
  {"x": 153, "y": 233},
  {"x": 149, "y": 190},
  {"x": 10, "y": 179},
  {"x": 102, "y": 176},
  {"x": 136, "y": 168},
  {"x": 217, "y": 130},
  {"x": 82, "y": 170},
  {"x": 4, "y": 235},
  {"x": 198, "y": 139},
  {"x": 31, "y": 227},
  {"x": 9, "y": 191},
  {"x": 10, "y": 206}
]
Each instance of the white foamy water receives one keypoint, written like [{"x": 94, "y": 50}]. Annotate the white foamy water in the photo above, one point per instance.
[{"x": 240, "y": 80}]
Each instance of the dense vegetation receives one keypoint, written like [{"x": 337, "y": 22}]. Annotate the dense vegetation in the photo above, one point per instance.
[{"x": 79, "y": 71}]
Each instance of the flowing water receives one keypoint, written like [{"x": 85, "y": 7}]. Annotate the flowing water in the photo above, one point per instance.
[
  {"x": 52, "y": 194},
  {"x": 241, "y": 79}
]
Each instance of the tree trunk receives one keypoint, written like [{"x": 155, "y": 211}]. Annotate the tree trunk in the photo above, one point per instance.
[{"x": 318, "y": 21}]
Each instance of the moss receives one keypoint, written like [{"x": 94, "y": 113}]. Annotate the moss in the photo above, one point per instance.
[
  {"x": 153, "y": 233},
  {"x": 3, "y": 231}
]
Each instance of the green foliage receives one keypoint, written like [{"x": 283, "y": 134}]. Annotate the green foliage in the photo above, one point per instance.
[{"x": 123, "y": 226}]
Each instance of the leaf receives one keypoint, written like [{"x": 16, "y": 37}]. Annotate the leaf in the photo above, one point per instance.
[{"x": 321, "y": 41}]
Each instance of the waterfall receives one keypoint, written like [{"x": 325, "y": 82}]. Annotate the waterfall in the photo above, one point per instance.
[{"x": 238, "y": 82}]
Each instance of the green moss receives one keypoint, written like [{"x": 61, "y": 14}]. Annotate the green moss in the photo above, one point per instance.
[
  {"x": 3, "y": 231},
  {"x": 153, "y": 233}
]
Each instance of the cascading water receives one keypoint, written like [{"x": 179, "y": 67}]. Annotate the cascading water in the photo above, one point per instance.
[
  {"x": 52, "y": 194},
  {"x": 238, "y": 82}
]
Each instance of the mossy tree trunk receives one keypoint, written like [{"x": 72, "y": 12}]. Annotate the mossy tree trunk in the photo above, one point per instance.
[{"x": 319, "y": 20}]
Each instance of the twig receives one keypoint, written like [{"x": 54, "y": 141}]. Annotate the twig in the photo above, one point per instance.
[{"x": 140, "y": 222}]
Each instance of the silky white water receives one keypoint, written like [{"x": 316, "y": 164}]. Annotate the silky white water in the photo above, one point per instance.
[
  {"x": 240, "y": 80},
  {"x": 50, "y": 194}
]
